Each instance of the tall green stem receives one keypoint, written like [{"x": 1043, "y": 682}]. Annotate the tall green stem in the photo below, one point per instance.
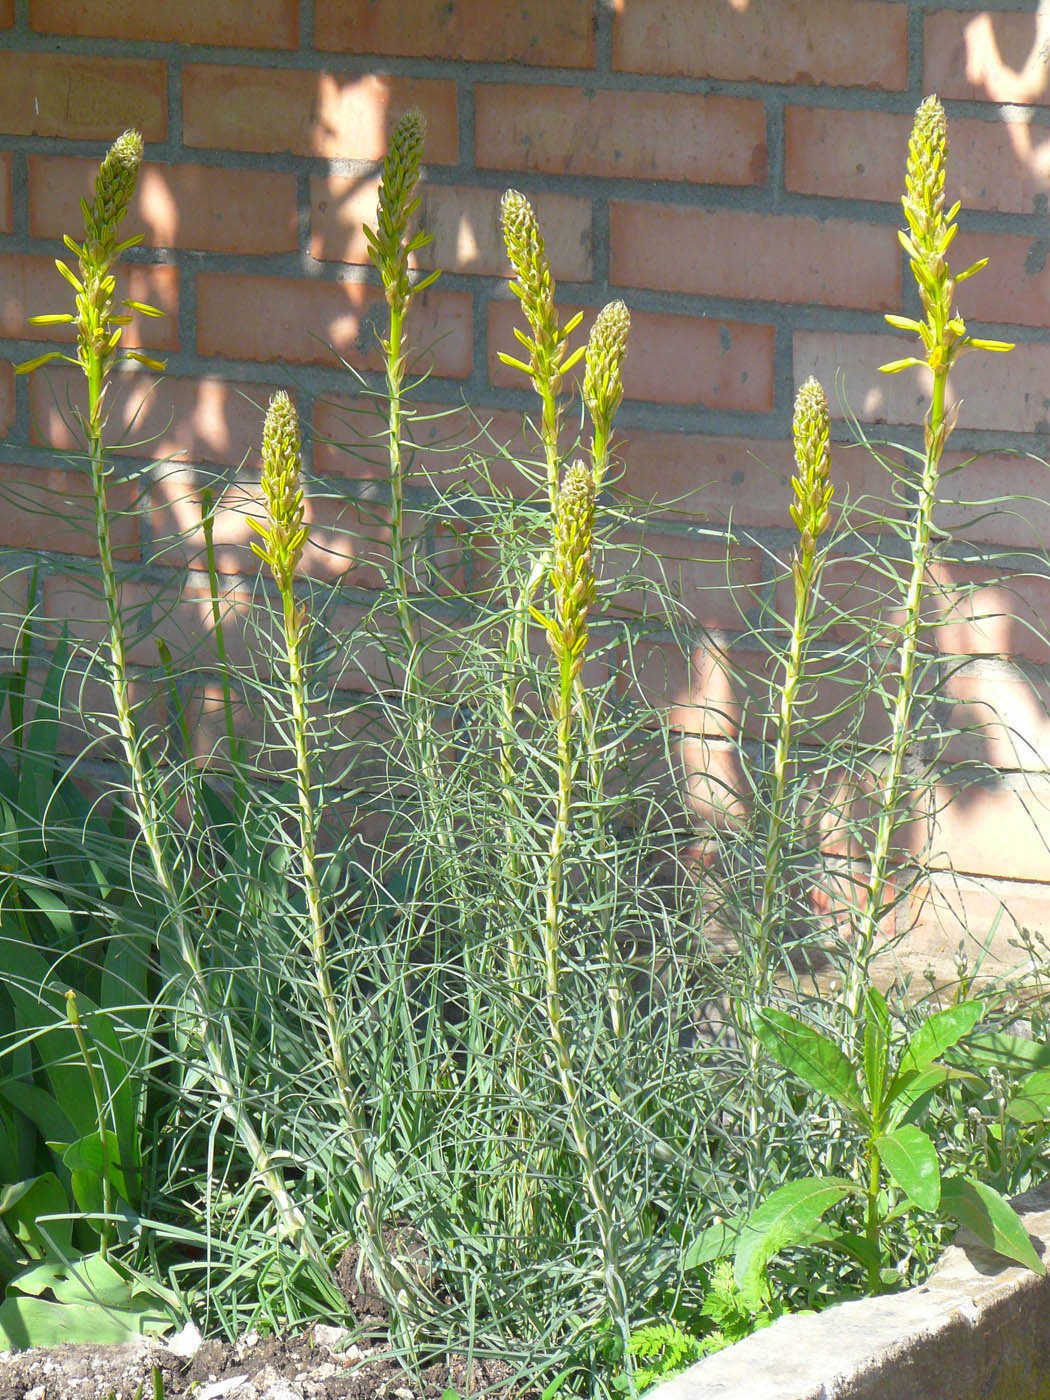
[
  {"x": 99, "y": 330},
  {"x": 930, "y": 233},
  {"x": 872, "y": 1221},
  {"x": 573, "y": 582}
]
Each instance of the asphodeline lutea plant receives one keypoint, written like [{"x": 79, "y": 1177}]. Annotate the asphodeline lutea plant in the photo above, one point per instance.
[
  {"x": 811, "y": 514},
  {"x": 942, "y": 332},
  {"x": 573, "y": 588},
  {"x": 546, "y": 340},
  {"x": 602, "y": 390},
  {"x": 391, "y": 247},
  {"x": 99, "y": 321},
  {"x": 283, "y": 535}
]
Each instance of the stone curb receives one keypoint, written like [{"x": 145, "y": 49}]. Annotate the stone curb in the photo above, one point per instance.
[{"x": 977, "y": 1329}]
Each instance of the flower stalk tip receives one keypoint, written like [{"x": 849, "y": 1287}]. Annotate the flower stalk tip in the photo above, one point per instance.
[
  {"x": 603, "y": 377},
  {"x": 930, "y": 233},
  {"x": 285, "y": 532},
  {"x": 114, "y": 187},
  {"x": 571, "y": 573},
  {"x": 390, "y": 244},
  {"x": 811, "y": 427},
  {"x": 546, "y": 339}
]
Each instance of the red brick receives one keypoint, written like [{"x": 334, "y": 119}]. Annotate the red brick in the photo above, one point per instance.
[
  {"x": 342, "y": 544},
  {"x": 178, "y": 615},
  {"x": 349, "y": 441},
  {"x": 715, "y": 786},
  {"x": 265, "y": 24},
  {"x": 988, "y": 57},
  {"x": 709, "y": 579},
  {"x": 746, "y": 479},
  {"x": 31, "y": 286},
  {"x": 861, "y": 155},
  {"x": 313, "y": 322},
  {"x": 981, "y": 611},
  {"x": 55, "y": 509},
  {"x": 671, "y": 359},
  {"x": 994, "y": 829},
  {"x": 1009, "y": 392},
  {"x": 336, "y": 116},
  {"x": 632, "y": 135},
  {"x": 995, "y": 498},
  {"x": 464, "y": 221},
  {"x": 1013, "y": 287},
  {"x": 848, "y": 43},
  {"x": 189, "y": 420},
  {"x": 175, "y": 206},
  {"x": 14, "y": 608},
  {"x": 552, "y": 33},
  {"x": 764, "y": 257},
  {"x": 985, "y": 916},
  {"x": 81, "y": 98},
  {"x": 7, "y": 13},
  {"x": 1003, "y": 715}
]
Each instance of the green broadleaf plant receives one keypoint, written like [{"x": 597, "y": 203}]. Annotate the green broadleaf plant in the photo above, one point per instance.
[{"x": 896, "y": 1164}]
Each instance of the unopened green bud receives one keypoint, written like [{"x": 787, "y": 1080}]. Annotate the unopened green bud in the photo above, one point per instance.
[
  {"x": 571, "y": 572},
  {"x": 812, "y": 486},
  {"x": 389, "y": 243},
  {"x": 284, "y": 535},
  {"x": 927, "y": 165},
  {"x": 401, "y": 174},
  {"x": 606, "y": 351},
  {"x": 114, "y": 187},
  {"x": 528, "y": 257}
]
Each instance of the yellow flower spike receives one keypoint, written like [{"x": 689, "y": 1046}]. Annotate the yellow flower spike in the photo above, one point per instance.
[
  {"x": 603, "y": 377},
  {"x": 571, "y": 573},
  {"x": 114, "y": 186},
  {"x": 931, "y": 232},
  {"x": 285, "y": 533},
  {"x": 811, "y": 514},
  {"x": 810, "y": 429},
  {"x": 389, "y": 243},
  {"x": 943, "y": 336},
  {"x": 534, "y": 287}
]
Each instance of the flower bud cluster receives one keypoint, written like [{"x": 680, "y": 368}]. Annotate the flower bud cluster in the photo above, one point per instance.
[
  {"x": 810, "y": 509},
  {"x": 572, "y": 574},
  {"x": 285, "y": 532}
]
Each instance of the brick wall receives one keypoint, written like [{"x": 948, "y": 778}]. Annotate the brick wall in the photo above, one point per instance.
[{"x": 731, "y": 168}]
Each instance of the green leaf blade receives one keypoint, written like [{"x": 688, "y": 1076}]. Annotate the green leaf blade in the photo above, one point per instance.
[
  {"x": 784, "y": 1218},
  {"x": 943, "y": 1030},
  {"x": 911, "y": 1159},
  {"x": 812, "y": 1056},
  {"x": 991, "y": 1218}
]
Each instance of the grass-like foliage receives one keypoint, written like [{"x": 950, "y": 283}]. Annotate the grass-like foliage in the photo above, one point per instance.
[{"x": 350, "y": 929}]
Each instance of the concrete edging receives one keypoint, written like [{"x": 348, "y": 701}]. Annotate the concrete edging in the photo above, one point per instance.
[{"x": 977, "y": 1329}]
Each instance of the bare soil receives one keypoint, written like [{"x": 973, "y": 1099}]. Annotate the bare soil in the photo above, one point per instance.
[
  {"x": 321, "y": 1364},
  {"x": 311, "y": 1366}
]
